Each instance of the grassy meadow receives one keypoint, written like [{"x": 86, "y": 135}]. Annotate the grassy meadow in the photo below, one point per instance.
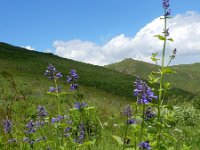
[{"x": 23, "y": 87}]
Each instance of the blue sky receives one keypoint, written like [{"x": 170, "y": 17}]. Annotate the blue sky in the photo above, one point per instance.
[{"x": 39, "y": 23}]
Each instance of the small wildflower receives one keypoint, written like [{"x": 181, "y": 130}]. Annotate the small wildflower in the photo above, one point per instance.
[
  {"x": 30, "y": 127},
  {"x": 58, "y": 119},
  {"x": 41, "y": 111},
  {"x": 79, "y": 105},
  {"x": 81, "y": 134},
  {"x": 144, "y": 145},
  {"x": 74, "y": 86},
  {"x": 67, "y": 131},
  {"x": 12, "y": 140},
  {"x": 7, "y": 125},
  {"x": 130, "y": 121},
  {"x": 53, "y": 89},
  {"x": 149, "y": 114},
  {"x": 165, "y": 4},
  {"x": 73, "y": 76},
  {"x": 39, "y": 124},
  {"x": 52, "y": 73},
  {"x": 40, "y": 139},
  {"x": 127, "y": 111}
]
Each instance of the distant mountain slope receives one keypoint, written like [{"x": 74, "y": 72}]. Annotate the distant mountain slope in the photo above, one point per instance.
[
  {"x": 186, "y": 78},
  {"x": 31, "y": 65}
]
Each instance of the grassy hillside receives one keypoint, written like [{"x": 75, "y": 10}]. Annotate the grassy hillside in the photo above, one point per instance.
[
  {"x": 187, "y": 76},
  {"x": 29, "y": 65}
]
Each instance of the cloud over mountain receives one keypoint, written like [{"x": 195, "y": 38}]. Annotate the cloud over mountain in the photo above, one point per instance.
[{"x": 183, "y": 28}]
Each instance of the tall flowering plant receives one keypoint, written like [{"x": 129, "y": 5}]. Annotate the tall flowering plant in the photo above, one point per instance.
[{"x": 158, "y": 77}]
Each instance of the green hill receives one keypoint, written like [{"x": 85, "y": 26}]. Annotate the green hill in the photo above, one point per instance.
[
  {"x": 29, "y": 66},
  {"x": 187, "y": 76}
]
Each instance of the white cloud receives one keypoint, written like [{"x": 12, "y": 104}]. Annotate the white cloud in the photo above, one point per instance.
[
  {"x": 29, "y": 47},
  {"x": 183, "y": 28}
]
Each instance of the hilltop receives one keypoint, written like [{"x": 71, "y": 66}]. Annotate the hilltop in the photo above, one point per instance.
[{"x": 187, "y": 76}]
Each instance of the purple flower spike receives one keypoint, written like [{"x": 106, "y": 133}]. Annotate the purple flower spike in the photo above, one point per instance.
[
  {"x": 144, "y": 93},
  {"x": 52, "y": 73}
]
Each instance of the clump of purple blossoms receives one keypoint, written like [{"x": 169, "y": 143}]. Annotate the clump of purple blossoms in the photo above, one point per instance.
[
  {"x": 144, "y": 93},
  {"x": 144, "y": 145},
  {"x": 149, "y": 113},
  {"x": 72, "y": 79},
  {"x": 79, "y": 105},
  {"x": 52, "y": 72},
  {"x": 41, "y": 111},
  {"x": 7, "y": 124}
]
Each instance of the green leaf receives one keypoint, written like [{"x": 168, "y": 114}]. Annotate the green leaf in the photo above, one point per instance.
[
  {"x": 167, "y": 71},
  {"x": 169, "y": 137},
  {"x": 160, "y": 37},
  {"x": 172, "y": 40},
  {"x": 118, "y": 139}
]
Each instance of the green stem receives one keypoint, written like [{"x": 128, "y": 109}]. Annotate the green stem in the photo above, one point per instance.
[
  {"x": 160, "y": 100},
  {"x": 126, "y": 129},
  {"x": 142, "y": 126},
  {"x": 58, "y": 102}
]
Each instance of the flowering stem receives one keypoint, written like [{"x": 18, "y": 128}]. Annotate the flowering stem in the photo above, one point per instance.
[
  {"x": 142, "y": 126},
  {"x": 160, "y": 100},
  {"x": 57, "y": 96},
  {"x": 126, "y": 129}
]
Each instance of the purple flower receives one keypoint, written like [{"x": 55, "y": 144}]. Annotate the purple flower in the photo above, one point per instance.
[
  {"x": 144, "y": 93},
  {"x": 52, "y": 73},
  {"x": 30, "y": 127},
  {"x": 73, "y": 76},
  {"x": 144, "y": 145},
  {"x": 127, "y": 111},
  {"x": 53, "y": 89},
  {"x": 79, "y": 105},
  {"x": 149, "y": 113},
  {"x": 67, "y": 131},
  {"x": 39, "y": 124},
  {"x": 41, "y": 111},
  {"x": 7, "y": 125},
  {"x": 130, "y": 121},
  {"x": 74, "y": 86},
  {"x": 165, "y": 4},
  {"x": 58, "y": 119}
]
